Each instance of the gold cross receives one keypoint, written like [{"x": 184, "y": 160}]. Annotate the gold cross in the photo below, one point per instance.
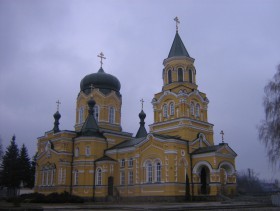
[
  {"x": 142, "y": 101},
  {"x": 222, "y": 133},
  {"x": 176, "y": 19},
  {"x": 101, "y": 56},
  {"x": 57, "y": 102}
]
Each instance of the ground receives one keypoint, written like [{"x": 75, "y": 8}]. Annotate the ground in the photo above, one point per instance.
[{"x": 239, "y": 203}]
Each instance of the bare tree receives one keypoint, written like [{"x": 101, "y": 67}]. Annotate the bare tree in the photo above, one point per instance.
[{"x": 269, "y": 130}]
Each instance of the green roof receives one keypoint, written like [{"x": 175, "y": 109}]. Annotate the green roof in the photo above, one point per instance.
[
  {"x": 178, "y": 48},
  {"x": 128, "y": 143},
  {"x": 104, "y": 158}
]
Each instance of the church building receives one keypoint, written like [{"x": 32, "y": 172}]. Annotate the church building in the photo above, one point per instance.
[{"x": 176, "y": 159}]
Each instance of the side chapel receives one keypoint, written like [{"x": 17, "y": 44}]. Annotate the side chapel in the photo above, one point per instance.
[{"x": 177, "y": 159}]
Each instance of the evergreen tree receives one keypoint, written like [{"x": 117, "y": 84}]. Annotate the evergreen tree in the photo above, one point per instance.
[
  {"x": 1, "y": 158},
  {"x": 32, "y": 172},
  {"x": 10, "y": 174},
  {"x": 25, "y": 166}
]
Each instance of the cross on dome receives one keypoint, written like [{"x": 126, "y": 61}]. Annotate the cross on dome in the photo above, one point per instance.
[
  {"x": 101, "y": 56},
  {"x": 58, "y": 103},
  {"x": 142, "y": 102}
]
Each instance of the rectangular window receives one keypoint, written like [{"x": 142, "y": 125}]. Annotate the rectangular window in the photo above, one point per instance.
[
  {"x": 122, "y": 178},
  {"x": 130, "y": 162},
  {"x": 122, "y": 163},
  {"x": 130, "y": 177}
]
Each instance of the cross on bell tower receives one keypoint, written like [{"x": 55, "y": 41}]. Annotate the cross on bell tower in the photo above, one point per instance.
[
  {"x": 176, "y": 19},
  {"x": 222, "y": 133},
  {"x": 58, "y": 103}
]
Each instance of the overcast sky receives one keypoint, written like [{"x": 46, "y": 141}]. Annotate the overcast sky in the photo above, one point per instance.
[{"x": 47, "y": 47}]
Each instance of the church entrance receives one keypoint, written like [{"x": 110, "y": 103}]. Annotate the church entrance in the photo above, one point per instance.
[
  {"x": 204, "y": 179},
  {"x": 110, "y": 186}
]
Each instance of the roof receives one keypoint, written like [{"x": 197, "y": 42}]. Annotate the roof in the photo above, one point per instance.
[
  {"x": 178, "y": 48},
  {"x": 90, "y": 127},
  {"x": 214, "y": 148},
  {"x": 104, "y": 158},
  {"x": 128, "y": 143},
  {"x": 142, "y": 132},
  {"x": 207, "y": 149}
]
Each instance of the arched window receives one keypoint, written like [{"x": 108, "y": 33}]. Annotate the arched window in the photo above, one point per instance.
[
  {"x": 192, "y": 108},
  {"x": 48, "y": 173},
  {"x": 190, "y": 76},
  {"x": 76, "y": 151},
  {"x": 165, "y": 110},
  {"x": 169, "y": 76},
  {"x": 112, "y": 115},
  {"x": 158, "y": 172},
  {"x": 98, "y": 176},
  {"x": 180, "y": 74},
  {"x": 81, "y": 115},
  {"x": 76, "y": 177},
  {"x": 149, "y": 172},
  {"x": 87, "y": 152},
  {"x": 171, "y": 109},
  {"x": 197, "y": 110},
  {"x": 96, "y": 112}
]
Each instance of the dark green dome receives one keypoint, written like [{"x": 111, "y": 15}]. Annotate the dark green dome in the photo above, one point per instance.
[{"x": 100, "y": 80}]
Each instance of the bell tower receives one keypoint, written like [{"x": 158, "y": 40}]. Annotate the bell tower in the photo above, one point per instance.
[{"x": 180, "y": 108}]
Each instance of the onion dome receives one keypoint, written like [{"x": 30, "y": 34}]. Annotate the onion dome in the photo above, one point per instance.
[
  {"x": 56, "y": 122},
  {"x": 100, "y": 80}
]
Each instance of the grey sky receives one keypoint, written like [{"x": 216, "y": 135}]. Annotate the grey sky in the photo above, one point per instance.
[{"x": 47, "y": 47}]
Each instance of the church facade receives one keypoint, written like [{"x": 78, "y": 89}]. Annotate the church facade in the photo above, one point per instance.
[{"x": 176, "y": 159}]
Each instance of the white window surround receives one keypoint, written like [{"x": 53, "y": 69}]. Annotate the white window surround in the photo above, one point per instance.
[
  {"x": 112, "y": 115},
  {"x": 96, "y": 112},
  {"x": 165, "y": 111},
  {"x": 171, "y": 109},
  {"x": 98, "y": 176},
  {"x": 81, "y": 115},
  {"x": 87, "y": 151}
]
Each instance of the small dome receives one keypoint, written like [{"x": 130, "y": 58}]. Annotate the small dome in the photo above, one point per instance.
[
  {"x": 142, "y": 115},
  {"x": 57, "y": 115},
  {"x": 100, "y": 80}
]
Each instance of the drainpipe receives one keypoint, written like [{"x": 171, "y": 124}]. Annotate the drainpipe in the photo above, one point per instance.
[
  {"x": 93, "y": 191},
  {"x": 71, "y": 167},
  {"x": 191, "y": 164}
]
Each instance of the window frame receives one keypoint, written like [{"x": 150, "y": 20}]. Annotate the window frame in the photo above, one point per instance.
[
  {"x": 180, "y": 74},
  {"x": 165, "y": 110},
  {"x": 96, "y": 112},
  {"x": 98, "y": 176},
  {"x": 172, "y": 109},
  {"x": 111, "y": 115}
]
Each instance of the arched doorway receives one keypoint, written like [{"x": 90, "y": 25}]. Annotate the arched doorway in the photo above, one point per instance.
[
  {"x": 204, "y": 180},
  {"x": 110, "y": 186}
]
